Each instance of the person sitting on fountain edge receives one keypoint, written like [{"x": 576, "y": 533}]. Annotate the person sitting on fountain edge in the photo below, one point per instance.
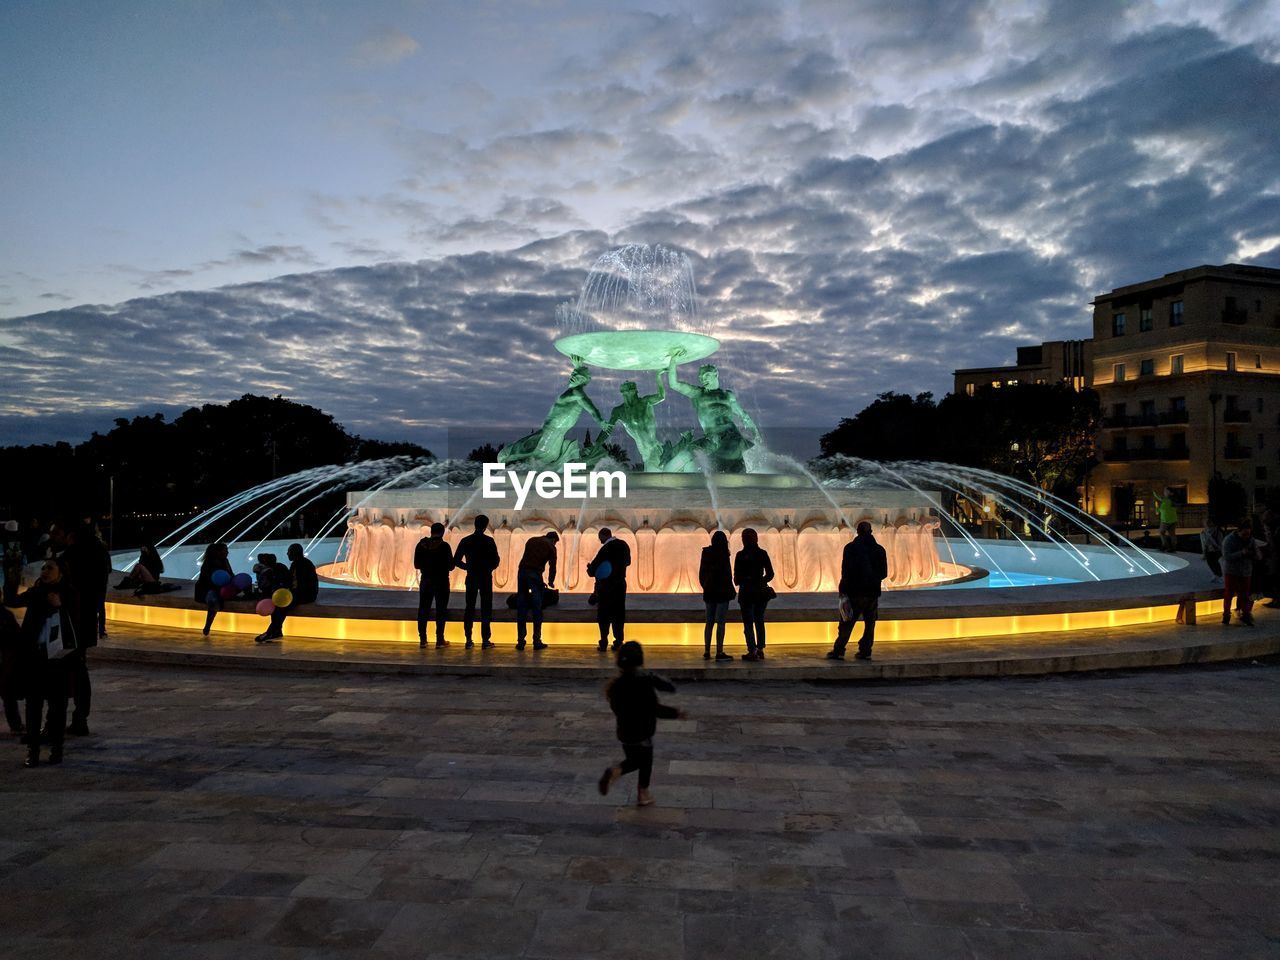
[
  {"x": 539, "y": 552},
  {"x": 863, "y": 568},
  {"x": 478, "y": 555},
  {"x": 610, "y": 570},
  {"x": 303, "y": 584},
  {"x": 433, "y": 559}
]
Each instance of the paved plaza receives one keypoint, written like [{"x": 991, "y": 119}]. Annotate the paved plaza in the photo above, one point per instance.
[{"x": 234, "y": 813}]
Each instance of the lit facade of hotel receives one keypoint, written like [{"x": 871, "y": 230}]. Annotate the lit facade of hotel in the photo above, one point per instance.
[{"x": 1187, "y": 368}]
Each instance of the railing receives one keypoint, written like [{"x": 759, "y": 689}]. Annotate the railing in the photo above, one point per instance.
[
  {"x": 1238, "y": 453},
  {"x": 1175, "y": 416},
  {"x": 1237, "y": 416},
  {"x": 1146, "y": 420}
]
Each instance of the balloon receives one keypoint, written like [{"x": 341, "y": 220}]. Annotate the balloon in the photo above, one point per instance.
[
  {"x": 220, "y": 578},
  {"x": 265, "y": 607},
  {"x": 227, "y": 591},
  {"x": 282, "y": 597},
  {"x": 603, "y": 571},
  {"x": 243, "y": 581}
]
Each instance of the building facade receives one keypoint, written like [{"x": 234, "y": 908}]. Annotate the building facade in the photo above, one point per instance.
[
  {"x": 1187, "y": 368},
  {"x": 1067, "y": 361}
]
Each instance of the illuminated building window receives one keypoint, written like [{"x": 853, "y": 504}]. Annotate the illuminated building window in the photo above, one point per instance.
[
  {"x": 1175, "y": 364},
  {"x": 968, "y": 389},
  {"x": 1175, "y": 313},
  {"x": 1231, "y": 360},
  {"x": 1117, "y": 324},
  {"x": 1117, "y": 373}
]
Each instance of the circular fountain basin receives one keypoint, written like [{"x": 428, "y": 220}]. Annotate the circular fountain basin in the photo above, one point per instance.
[{"x": 637, "y": 349}]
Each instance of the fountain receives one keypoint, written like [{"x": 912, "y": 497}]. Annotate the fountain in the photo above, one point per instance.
[{"x": 954, "y": 535}]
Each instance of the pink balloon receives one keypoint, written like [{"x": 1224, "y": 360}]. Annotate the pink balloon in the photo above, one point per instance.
[
  {"x": 265, "y": 607},
  {"x": 229, "y": 591}
]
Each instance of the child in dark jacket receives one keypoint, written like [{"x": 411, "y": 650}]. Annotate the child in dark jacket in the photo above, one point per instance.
[{"x": 634, "y": 700}]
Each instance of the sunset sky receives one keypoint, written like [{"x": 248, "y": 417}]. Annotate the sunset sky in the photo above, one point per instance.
[{"x": 376, "y": 207}]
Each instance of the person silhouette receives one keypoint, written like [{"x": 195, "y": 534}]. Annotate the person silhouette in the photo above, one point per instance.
[
  {"x": 863, "y": 568},
  {"x": 539, "y": 553},
  {"x": 716, "y": 579},
  {"x": 752, "y": 571},
  {"x": 433, "y": 559},
  {"x": 609, "y": 567},
  {"x": 478, "y": 555}
]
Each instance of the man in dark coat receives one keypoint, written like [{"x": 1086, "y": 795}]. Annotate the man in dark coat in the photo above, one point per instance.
[
  {"x": 478, "y": 555},
  {"x": 611, "y": 588},
  {"x": 88, "y": 566},
  {"x": 862, "y": 568},
  {"x": 434, "y": 559},
  {"x": 304, "y": 586}
]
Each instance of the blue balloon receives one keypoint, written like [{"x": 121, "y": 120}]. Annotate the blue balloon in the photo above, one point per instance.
[
  {"x": 243, "y": 581},
  {"x": 220, "y": 578},
  {"x": 603, "y": 571}
]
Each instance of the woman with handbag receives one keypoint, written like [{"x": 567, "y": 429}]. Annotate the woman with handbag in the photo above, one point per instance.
[
  {"x": 715, "y": 575},
  {"x": 752, "y": 572},
  {"x": 48, "y": 634}
]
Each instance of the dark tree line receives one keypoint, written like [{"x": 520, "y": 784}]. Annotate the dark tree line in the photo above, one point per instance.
[
  {"x": 1041, "y": 433},
  {"x": 162, "y": 470}
]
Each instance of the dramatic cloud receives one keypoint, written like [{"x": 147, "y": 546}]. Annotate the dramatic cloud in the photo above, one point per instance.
[{"x": 872, "y": 194}]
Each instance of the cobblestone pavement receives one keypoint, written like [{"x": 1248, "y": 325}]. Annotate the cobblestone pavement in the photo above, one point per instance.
[{"x": 219, "y": 813}]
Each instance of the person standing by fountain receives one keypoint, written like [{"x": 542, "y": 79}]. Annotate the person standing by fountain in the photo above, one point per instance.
[
  {"x": 715, "y": 575},
  {"x": 1239, "y": 551},
  {"x": 752, "y": 571},
  {"x": 478, "y": 555},
  {"x": 863, "y": 568},
  {"x": 433, "y": 559},
  {"x": 1167, "y": 511},
  {"x": 539, "y": 553},
  {"x": 610, "y": 570}
]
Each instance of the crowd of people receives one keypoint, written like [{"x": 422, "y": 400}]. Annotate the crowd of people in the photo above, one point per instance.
[
  {"x": 44, "y": 660},
  {"x": 1246, "y": 560}
]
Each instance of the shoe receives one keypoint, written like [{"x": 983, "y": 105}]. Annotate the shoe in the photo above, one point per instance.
[
  {"x": 721, "y": 655},
  {"x": 835, "y": 655},
  {"x": 539, "y": 645},
  {"x": 33, "y": 760},
  {"x": 603, "y": 646},
  {"x": 1247, "y": 620},
  {"x": 260, "y": 638},
  {"x": 422, "y": 643},
  {"x": 442, "y": 643},
  {"x": 55, "y": 756},
  {"x": 617, "y": 645},
  {"x": 205, "y": 632},
  {"x": 644, "y": 798},
  {"x": 706, "y": 655},
  {"x": 80, "y": 729},
  {"x": 1226, "y": 619},
  {"x": 519, "y": 644},
  {"x": 469, "y": 644},
  {"x": 102, "y": 635},
  {"x": 750, "y": 656},
  {"x": 862, "y": 656},
  {"x": 487, "y": 644},
  {"x": 272, "y": 637},
  {"x": 760, "y": 653},
  {"x": 608, "y": 779}
]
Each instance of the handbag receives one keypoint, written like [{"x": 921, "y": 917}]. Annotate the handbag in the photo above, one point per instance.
[
  {"x": 846, "y": 610},
  {"x": 52, "y": 640}
]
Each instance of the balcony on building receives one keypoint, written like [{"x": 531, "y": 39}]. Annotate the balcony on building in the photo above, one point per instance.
[{"x": 1236, "y": 452}]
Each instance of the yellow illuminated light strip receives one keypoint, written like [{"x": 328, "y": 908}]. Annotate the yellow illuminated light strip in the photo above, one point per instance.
[{"x": 673, "y": 634}]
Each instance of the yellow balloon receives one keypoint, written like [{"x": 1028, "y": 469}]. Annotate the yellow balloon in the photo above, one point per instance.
[{"x": 282, "y": 597}]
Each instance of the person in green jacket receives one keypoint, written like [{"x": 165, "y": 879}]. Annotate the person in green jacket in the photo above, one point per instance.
[{"x": 1167, "y": 510}]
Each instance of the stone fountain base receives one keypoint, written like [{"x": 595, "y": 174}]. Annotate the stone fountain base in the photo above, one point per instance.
[{"x": 666, "y": 519}]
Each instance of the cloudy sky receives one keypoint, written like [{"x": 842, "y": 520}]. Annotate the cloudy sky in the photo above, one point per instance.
[{"x": 376, "y": 207}]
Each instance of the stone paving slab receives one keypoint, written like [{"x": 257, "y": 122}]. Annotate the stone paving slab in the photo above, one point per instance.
[
  {"x": 1125, "y": 648},
  {"x": 218, "y": 813}
]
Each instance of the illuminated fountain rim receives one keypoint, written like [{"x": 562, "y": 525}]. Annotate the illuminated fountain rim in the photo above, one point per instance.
[
  {"x": 636, "y": 349},
  {"x": 913, "y": 615}
]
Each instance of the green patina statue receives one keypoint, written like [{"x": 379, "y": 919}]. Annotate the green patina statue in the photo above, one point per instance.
[
  {"x": 548, "y": 446},
  {"x": 718, "y": 411},
  {"x": 636, "y": 415}
]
